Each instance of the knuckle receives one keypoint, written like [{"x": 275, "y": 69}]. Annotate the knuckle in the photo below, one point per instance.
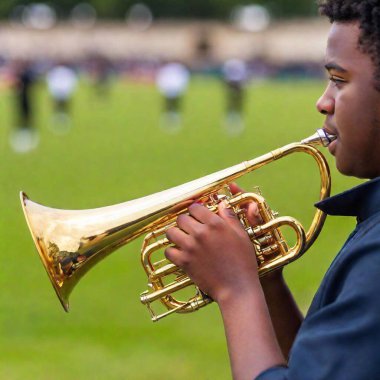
[
  {"x": 215, "y": 223},
  {"x": 188, "y": 246},
  {"x": 181, "y": 218},
  {"x": 202, "y": 234},
  {"x": 199, "y": 233},
  {"x": 185, "y": 262}
]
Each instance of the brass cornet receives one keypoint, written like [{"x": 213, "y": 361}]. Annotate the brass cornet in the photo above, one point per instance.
[{"x": 70, "y": 242}]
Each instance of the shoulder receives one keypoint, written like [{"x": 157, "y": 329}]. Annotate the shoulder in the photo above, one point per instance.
[
  {"x": 359, "y": 268},
  {"x": 364, "y": 250},
  {"x": 363, "y": 246},
  {"x": 355, "y": 272}
]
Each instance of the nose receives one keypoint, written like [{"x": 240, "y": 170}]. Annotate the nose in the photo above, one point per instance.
[{"x": 326, "y": 103}]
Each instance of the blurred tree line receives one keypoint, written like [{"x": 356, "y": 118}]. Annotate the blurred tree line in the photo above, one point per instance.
[{"x": 204, "y": 9}]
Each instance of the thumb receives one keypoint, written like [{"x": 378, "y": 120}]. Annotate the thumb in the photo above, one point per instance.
[{"x": 229, "y": 216}]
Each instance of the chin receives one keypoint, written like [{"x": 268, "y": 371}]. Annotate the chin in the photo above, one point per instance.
[
  {"x": 351, "y": 171},
  {"x": 347, "y": 170}
]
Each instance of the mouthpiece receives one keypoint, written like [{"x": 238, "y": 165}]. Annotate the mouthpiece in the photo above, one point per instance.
[{"x": 320, "y": 137}]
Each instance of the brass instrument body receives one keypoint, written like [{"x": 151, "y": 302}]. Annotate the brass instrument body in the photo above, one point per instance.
[
  {"x": 70, "y": 242},
  {"x": 271, "y": 251}
]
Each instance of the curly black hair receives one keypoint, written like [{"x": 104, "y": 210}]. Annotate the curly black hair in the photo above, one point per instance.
[{"x": 367, "y": 14}]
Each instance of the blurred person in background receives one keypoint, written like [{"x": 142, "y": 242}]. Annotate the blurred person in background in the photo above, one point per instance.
[
  {"x": 172, "y": 81},
  {"x": 235, "y": 75},
  {"x": 24, "y": 136},
  {"x": 100, "y": 70},
  {"x": 61, "y": 82},
  {"x": 267, "y": 337},
  {"x": 203, "y": 61}
]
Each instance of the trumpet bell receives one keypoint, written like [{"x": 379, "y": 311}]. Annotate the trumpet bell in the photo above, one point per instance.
[
  {"x": 71, "y": 242},
  {"x": 35, "y": 214}
]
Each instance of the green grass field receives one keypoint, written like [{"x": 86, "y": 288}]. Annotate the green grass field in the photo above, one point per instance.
[{"x": 116, "y": 152}]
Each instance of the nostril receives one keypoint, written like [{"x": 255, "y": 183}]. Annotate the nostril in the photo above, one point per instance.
[{"x": 323, "y": 112}]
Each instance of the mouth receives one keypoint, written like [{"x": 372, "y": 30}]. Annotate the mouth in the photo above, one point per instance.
[
  {"x": 332, "y": 147},
  {"x": 331, "y": 131}
]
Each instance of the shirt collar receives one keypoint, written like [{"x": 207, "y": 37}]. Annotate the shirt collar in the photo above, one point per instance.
[{"x": 361, "y": 201}]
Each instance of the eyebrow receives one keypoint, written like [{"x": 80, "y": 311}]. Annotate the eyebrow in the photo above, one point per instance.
[{"x": 334, "y": 66}]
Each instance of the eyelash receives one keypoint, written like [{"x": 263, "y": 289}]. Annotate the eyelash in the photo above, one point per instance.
[{"x": 336, "y": 81}]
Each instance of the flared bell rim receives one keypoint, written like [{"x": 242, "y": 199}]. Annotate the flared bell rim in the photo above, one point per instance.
[{"x": 58, "y": 290}]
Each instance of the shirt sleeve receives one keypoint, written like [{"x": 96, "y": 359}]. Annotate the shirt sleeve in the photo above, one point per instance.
[
  {"x": 274, "y": 373},
  {"x": 341, "y": 339}
]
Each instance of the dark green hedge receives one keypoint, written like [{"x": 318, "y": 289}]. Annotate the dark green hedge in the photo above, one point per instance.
[{"x": 216, "y": 9}]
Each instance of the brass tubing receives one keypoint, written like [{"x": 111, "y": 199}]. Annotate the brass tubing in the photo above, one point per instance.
[{"x": 171, "y": 288}]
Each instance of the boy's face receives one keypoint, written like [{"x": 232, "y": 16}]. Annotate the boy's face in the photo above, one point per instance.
[{"x": 351, "y": 104}]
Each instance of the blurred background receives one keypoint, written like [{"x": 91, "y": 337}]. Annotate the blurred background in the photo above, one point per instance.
[{"x": 106, "y": 101}]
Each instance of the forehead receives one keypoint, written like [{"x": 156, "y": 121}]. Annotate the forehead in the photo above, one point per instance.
[{"x": 343, "y": 49}]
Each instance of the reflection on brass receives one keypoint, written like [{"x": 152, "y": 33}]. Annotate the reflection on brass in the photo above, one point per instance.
[{"x": 70, "y": 242}]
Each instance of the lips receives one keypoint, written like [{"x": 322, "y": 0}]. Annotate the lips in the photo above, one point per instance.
[
  {"x": 331, "y": 130},
  {"x": 332, "y": 147}
]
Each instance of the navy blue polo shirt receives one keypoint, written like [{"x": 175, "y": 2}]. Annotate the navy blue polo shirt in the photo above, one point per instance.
[{"x": 340, "y": 336}]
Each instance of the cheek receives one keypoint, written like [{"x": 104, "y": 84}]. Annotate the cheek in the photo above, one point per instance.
[
  {"x": 350, "y": 115},
  {"x": 357, "y": 119}
]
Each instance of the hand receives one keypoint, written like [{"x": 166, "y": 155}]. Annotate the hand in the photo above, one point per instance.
[
  {"x": 217, "y": 254},
  {"x": 215, "y": 251}
]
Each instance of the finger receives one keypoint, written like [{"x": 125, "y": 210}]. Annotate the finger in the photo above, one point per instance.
[
  {"x": 227, "y": 214},
  {"x": 253, "y": 214},
  {"x": 176, "y": 236},
  {"x": 201, "y": 213},
  {"x": 174, "y": 255},
  {"x": 188, "y": 224},
  {"x": 235, "y": 188}
]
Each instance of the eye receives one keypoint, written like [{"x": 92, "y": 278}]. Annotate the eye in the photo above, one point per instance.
[{"x": 337, "y": 81}]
